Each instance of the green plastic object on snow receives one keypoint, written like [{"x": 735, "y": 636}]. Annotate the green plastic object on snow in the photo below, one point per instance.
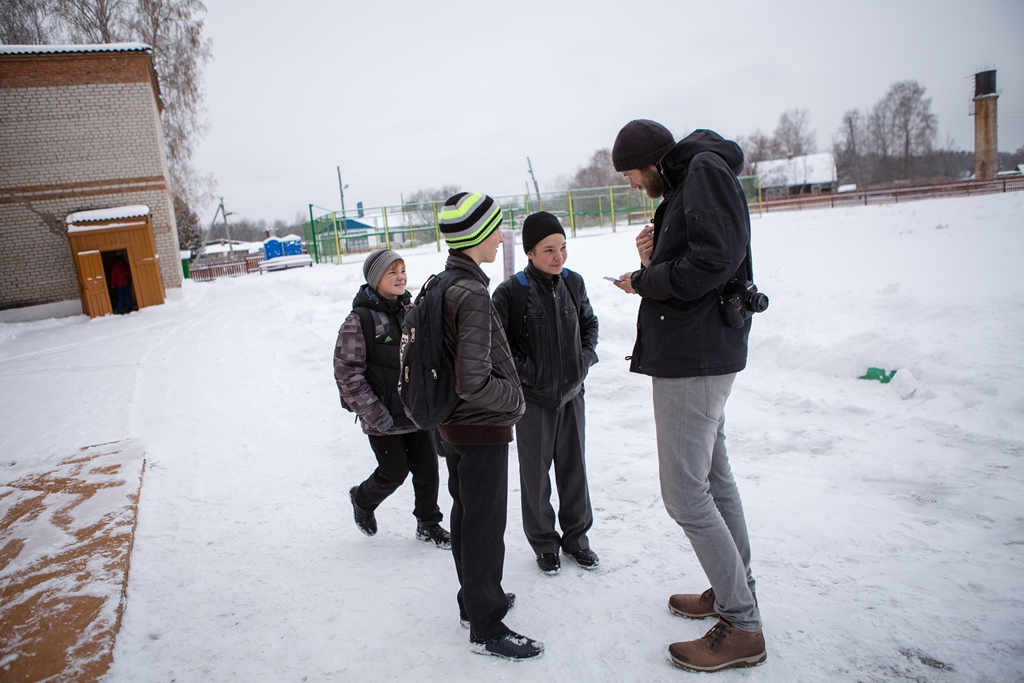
[{"x": 879, "y": 374}]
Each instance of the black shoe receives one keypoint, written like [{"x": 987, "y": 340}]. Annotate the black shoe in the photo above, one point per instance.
[
  {"x": 365, "y": 519},
  {"x": 549, "y": 563},
  {"x": 435, "y": 534},
  {"x": 509, "y": 646},
  {"x": 464, "y": 620},
  {"x": 586, "y": 558}
]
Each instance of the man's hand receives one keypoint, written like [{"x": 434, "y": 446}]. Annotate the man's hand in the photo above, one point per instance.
[
  {"x": 625, "y": 283},
  {"x": 645, "y": 244}
]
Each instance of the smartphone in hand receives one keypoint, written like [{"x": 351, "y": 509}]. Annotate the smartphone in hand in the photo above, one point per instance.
[{"x": 612, "y": 279}]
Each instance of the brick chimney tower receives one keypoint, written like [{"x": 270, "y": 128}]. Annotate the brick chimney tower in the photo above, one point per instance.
[{"x": 986, "y": 147}]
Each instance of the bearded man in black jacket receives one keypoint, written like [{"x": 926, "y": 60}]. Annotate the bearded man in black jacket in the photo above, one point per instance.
[{"x": 699, "y": 240}]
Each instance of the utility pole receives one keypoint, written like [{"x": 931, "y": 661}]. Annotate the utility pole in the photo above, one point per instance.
[
  {"x": 341, "y": 189},
  {"x": 227, "y": 229},
  {"x": 535, "y": 186}
]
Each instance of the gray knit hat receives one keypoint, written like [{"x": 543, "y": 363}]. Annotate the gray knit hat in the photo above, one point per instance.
[
  {"x": 468, "y": 218},
  {"x": 640, "y": 143},
  {"x": 376, "y": 264}
]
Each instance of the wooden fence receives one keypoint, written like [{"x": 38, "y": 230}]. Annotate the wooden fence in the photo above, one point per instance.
[
  {"x": 206, "y": 273},
  {"x": 892, "y": 195}
]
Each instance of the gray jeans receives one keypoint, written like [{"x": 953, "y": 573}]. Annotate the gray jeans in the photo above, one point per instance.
[{"x": 699, "y": 491}]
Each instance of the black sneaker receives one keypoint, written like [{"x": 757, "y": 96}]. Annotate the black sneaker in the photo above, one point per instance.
[
  {"x": 365, "y": 519},
  {"x": 549, "y": 563},
  {"x": 586, "y": 558},
  {"x": 509, "y": 646},
  {"x": 464, "y": 620},
  {"x": 436, "y": 534}
]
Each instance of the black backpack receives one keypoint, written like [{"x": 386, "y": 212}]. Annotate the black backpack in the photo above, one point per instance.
[
  {"x": 366, "y": 322},
  {"x": 426, "y": 382}
]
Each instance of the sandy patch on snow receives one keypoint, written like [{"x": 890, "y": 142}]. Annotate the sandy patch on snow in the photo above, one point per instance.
[{"x": 65, "y": 543}]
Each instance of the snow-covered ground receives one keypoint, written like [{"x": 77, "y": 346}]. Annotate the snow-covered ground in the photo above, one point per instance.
[{"x": 887, "y": 521}]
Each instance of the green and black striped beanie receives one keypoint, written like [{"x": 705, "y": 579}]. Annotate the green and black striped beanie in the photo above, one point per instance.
[{"x": 468, "y": 218}]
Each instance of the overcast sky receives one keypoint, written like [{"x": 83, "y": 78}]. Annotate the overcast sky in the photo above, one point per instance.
[{"x": 407, "y": 95}]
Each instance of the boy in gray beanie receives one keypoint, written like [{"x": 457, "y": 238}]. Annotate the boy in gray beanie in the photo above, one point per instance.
[{"x": 366, "y": 369}]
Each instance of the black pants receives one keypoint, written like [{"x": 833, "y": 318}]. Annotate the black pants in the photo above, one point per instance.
[
  {"x": 547, "y": 435},
  {"x": 478, "y": 483},
  {"x": 397, "y": 456}
]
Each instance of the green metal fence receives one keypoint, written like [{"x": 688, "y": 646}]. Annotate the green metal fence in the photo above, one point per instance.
[{"x": 330, "y": 234}]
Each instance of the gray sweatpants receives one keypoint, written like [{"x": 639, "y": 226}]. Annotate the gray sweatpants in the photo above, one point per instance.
[
  {"x": 543, "y": 436},
  {"x": 699, "y": 491}
]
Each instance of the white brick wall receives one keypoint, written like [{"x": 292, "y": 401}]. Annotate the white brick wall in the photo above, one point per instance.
[{"x": 58, "y": 136}]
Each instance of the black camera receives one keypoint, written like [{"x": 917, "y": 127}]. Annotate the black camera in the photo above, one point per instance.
[{"x": 739, "y": 300}]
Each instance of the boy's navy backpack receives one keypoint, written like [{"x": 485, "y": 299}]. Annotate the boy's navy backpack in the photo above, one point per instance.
[{"x": 426, "y": 383}]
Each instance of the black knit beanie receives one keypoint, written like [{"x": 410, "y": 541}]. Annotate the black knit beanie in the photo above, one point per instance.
[
  {"x": 537, "y": 226},
  {"x": 640, "y": 143}
]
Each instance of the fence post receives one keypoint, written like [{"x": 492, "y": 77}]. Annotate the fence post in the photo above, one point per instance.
[
  {"x": 572, "y": 214},
  {"x": 337, "y": 242},
  {"x": 527, "y": 203},
  {"x": 437, "y": 227},
  {"x": 611, "y": 201},
  {"x": 312, "y": 233},
  {"x": 387, "y": 235}
]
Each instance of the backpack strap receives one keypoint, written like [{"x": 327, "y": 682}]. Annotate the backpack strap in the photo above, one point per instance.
[
  {"x": 366, "y": 322},
  {"x": 517, "y": 310}
]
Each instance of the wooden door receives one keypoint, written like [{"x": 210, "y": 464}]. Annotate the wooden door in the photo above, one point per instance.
[{"x": 93, "y": 284}]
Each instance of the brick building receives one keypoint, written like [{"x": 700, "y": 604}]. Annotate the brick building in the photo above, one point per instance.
[{"x": 79, "y": 131}]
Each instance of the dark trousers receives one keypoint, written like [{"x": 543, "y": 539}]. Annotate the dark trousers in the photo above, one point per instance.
[
  {"x": 547, "y": 435},
  {"x": 397, "y": 456},
  {"x": 124, "y": 300},
  {"x": 478, "y": 483}
]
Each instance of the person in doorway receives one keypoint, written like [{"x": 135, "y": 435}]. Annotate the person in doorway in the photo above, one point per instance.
[
  {"x": 553, "y": 335},
  {"x": 120, "y": 280},
  {"x": 478, "y": 431},
  {"x": 366, "y": 371},
  {"x": 699, "y": 240}
]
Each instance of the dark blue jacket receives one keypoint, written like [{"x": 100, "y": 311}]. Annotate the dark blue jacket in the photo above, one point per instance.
[{"x": 701, "y": 236}]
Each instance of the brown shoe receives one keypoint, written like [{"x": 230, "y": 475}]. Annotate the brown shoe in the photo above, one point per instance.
[
  {"x": 693, "y": 606},
  {"x": 723, "y": 647}
]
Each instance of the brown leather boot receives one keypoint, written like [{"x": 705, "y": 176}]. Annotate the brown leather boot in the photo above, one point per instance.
[
  {"x": 723, "y": 647},
  {"x": 693, "y": 606}
]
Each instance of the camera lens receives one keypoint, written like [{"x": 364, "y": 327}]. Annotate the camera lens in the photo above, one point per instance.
[{"x": 758, "y": 303}]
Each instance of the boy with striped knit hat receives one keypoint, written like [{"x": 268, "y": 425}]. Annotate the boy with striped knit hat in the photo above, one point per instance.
[{"x": 478, "y": 431}]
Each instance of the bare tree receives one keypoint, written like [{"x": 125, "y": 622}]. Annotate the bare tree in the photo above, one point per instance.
[
  {"x": 174, "y": 30},
  {"x": 94, "y": 21},
  {"x": 25, "y": 22},
  {"x": 419, "y": 203},
  {"x": 793, "y": 133},
  {"x": 849, "y": 146},
  {"x": 758, "y": 146},
  {"x": 913, "y": 123},
  {"x": 599, "y": 172}
]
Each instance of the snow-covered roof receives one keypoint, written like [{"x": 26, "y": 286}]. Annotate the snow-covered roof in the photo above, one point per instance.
[
  {"x": 110, "y": 214},
  {"x": 291, "y": 238},
  {"x": 47, "y": 49},
  {"x": 810, "y": 169}
]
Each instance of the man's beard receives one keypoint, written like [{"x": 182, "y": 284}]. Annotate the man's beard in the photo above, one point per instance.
[{"x": 651, "y": 182}]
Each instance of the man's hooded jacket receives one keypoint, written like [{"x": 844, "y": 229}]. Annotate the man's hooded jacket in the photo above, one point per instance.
[{"x": 701, "y": 237}]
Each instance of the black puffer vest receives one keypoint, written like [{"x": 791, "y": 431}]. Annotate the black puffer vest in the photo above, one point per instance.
[{"x": 382, "y": 354}]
